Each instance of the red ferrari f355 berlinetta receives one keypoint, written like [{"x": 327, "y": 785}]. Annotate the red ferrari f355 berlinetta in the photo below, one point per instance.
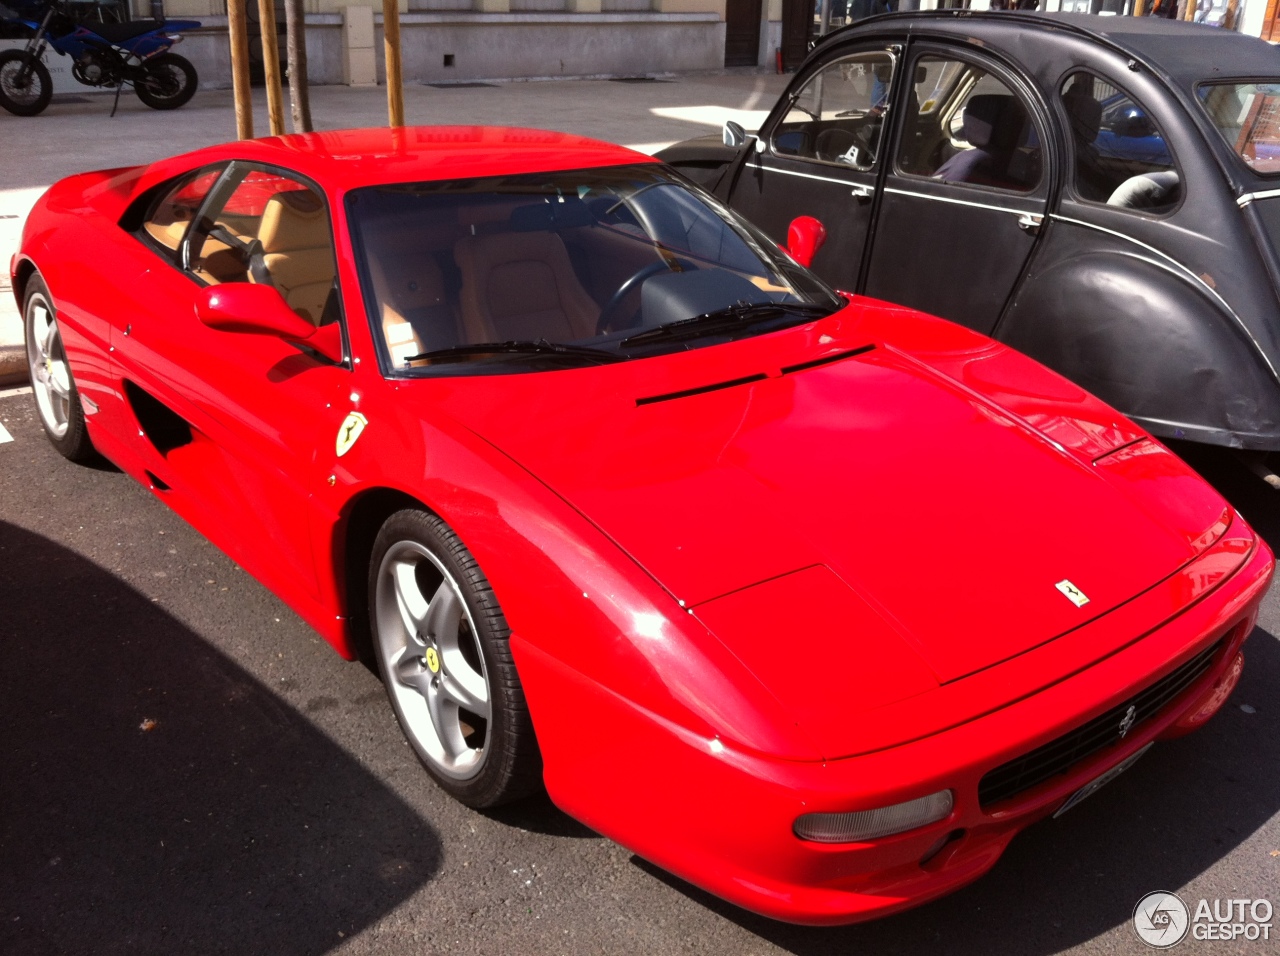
[{"x": 812, "y": 600}]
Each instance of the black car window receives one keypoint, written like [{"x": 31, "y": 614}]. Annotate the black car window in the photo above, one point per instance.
[
  {"x": 1120, "y": 157},
  {"x": 1247, "y": 114},
  {"x": 269, "y": 228},
  {"x": 175, "y": 205},
  {"x": 838, "y": 115},
  {"x": 962, "y": 124}
]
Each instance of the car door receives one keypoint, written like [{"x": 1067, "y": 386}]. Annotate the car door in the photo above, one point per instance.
[
  {"x": 967, "y": 190},
  {"x": 231, "y": 423},
  {"x": 819, "y": 155}
]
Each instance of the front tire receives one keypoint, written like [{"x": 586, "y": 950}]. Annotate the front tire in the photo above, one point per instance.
[
  {"x": 168, "y": 81},
  {"x": 441, "y": 643},
  {"x": 57, "y": 400},
  {"x": 25, "y": 84}
]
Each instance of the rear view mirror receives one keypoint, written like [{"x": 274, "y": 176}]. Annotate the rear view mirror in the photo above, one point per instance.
[
  {"x": 734, "y": 135},
  {"x": 261, "y": 310},
  {"x": 805, "y": 237}
]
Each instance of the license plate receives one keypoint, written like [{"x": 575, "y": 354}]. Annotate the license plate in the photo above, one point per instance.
[{"x": 1096, "y": 784}]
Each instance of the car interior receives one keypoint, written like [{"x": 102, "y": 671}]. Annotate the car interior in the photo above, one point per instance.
[
  {"x": 455, "y": 270},
  {"x": 271, "y": 229},
  {"x": 1120, "y": 158},
  {"x": 964, "y": 125}
]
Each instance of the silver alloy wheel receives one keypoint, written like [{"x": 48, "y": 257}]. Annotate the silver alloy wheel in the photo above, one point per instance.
[
  {"x": 432, "y": 660},
  {"x": 50, "y": 377}
]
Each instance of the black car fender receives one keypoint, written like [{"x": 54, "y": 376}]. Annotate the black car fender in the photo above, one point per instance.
[{"x": 1147, "y": 339}]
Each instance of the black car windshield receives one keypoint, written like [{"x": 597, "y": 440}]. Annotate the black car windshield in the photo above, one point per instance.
[
  {"x": 563, "y": 269},
  {"x": 1247, "y": 114}
]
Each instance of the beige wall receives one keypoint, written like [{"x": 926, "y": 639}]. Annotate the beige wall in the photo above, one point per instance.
[{"x": 217, "y": 8}]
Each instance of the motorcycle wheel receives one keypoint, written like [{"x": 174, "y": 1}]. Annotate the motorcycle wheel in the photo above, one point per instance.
[
  {"x": 167, "y": 81},
  {"x": 24, "y": 95}
]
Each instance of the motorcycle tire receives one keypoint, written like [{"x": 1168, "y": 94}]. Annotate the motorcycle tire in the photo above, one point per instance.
[
  {"x": 167, "y": 82},
  {"x": 24, "y": 96}
]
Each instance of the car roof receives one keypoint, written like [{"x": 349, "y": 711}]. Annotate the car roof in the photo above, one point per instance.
[
  {"x": 351, "y": 158},
  {"x": 1187, "y": 53}
]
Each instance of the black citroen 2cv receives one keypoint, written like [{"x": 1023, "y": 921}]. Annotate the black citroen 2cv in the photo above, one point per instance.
[{"x": 1102, "y": 193}]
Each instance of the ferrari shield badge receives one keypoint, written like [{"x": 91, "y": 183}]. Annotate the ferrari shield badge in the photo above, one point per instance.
[
  {"x": 1072, "y": 593},
  {"x": 351, "y": 429}
]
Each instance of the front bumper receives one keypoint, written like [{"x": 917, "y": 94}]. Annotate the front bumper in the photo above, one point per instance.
[{"x": 722, "y": 818}]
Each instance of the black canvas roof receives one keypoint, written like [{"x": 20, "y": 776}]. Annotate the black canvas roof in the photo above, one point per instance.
[{"x": 1188, "y": 53}]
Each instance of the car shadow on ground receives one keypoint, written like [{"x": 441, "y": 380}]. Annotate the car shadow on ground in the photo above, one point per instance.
[{"x": 157, "y": 798}]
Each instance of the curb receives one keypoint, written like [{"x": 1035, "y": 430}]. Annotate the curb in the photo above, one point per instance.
[{"x": 13, "y": 365}]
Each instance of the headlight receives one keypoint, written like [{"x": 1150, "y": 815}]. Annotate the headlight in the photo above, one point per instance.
[{"x": 869, "y": 824}]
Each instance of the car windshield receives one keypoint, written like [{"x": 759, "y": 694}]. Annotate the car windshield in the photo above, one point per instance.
[
  {"x": 1248, "y": 117},
  {"x": 551, "y": 270}
]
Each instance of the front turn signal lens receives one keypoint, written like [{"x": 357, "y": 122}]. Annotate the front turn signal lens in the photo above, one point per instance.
[{"x": 863, "y": 825}]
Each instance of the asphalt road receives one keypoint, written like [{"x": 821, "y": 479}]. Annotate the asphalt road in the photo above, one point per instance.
[{"x": 185, "y": 768}]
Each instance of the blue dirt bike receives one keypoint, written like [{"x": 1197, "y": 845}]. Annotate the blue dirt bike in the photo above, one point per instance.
[{"x": 111, "y": 55}]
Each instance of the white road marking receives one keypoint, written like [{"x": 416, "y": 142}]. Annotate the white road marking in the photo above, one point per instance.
[
  {"x": 4, "y": 435},
  {"x": 10, "y": 392}
]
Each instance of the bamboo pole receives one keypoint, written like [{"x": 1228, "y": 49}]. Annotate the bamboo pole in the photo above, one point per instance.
[
  {"x": 239, "y": 34},
  {"x": 271, "y": 65},
  {"x": 395, "y": 77},
  {"x": 296, "y": 46}
]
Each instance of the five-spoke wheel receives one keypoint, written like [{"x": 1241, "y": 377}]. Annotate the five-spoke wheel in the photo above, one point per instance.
[
  {"x": 51, "y": 382},
  {"x": 441, "y": 645}
]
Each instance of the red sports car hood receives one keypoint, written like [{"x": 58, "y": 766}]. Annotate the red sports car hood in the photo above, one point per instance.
[{"x": 953, "y": 522}]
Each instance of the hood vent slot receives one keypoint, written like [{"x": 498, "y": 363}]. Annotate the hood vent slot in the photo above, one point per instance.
[
  {"x": 826, "y": 359},
  {"x": 748, "y": 379},
  {"x": 715, "y": 387}
]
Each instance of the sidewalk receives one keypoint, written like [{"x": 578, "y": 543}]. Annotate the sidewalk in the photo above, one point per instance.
[{"x": 76, "y": 133}]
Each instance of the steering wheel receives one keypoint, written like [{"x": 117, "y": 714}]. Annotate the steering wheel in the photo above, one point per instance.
[{"x": 605, "y": 322}]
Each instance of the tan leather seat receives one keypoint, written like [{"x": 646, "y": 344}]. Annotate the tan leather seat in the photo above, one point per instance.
[
  {"x": 416, "y": 315},
  {"x": 297, "y": 247},
  {"x": 521, "y": 285}
]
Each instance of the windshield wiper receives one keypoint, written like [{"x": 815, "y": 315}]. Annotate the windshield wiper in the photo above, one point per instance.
[
  {"x": 734, "y": 316},
  {"x": 460, "y": 353}
]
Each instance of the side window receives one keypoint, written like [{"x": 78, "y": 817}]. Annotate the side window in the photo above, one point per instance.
[
  {"x": 275, "y": 230},
  {"x": 168, "y": 219},
  {"x": 1120, "y": 157},
  {"x": 838, "y": 116},
  {"x": 965, "y": 125}
]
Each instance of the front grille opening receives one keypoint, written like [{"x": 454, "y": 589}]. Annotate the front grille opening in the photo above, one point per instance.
[{"x": 1059, "y": 756}]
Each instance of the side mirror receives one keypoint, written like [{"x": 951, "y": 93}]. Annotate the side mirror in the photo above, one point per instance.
[
  {"x": 805, "y": 237},
  {"x": 261, "y": 310},
  {"x": 733, "y": 135}
]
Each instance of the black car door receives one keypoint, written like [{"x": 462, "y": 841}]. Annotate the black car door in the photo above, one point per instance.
[
  {"x": 967, "y": 190},
  {"x": 819, "y": 155}
]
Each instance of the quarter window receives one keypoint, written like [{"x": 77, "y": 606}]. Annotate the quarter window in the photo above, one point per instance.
[
  {"x": 170, "y": 217},
  {"x": 1121, "y": 159},
  {"x": 275, "y": 230},
  {"x": 965, "y": 125},
  {"x": 838, "y": 116}
]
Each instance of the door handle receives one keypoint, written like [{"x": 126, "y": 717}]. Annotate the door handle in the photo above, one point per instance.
[
  {"x": 1031, "y": 222},
  {"x": 861, "y": 192}
]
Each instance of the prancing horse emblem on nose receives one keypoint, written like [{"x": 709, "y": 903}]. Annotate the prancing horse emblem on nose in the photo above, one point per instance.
[
  {"x": 1127, "y": 721},
  {"x": 1072, "y": 593},
  {"x": 349, "y": 431}
]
